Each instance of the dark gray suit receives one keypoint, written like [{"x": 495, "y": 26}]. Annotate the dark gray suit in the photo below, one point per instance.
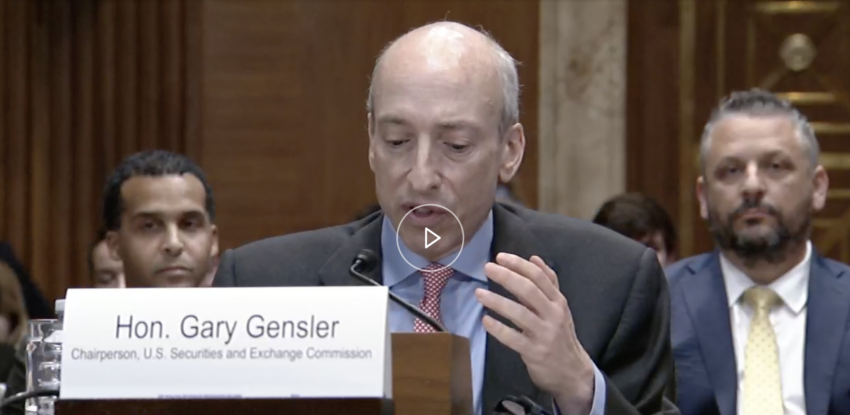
[
  {"x": 704, "y": 352},
  {"x": 615, "y": 286}
]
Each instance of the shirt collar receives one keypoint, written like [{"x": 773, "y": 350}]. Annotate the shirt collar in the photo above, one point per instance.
[
  {"x": 475, "y": 254},
  {"x": 792, "y": 287}
]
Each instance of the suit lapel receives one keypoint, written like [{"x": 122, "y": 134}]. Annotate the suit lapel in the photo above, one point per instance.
[
  {"x": 335, "y": 271},
  {"x": 708, "y": 309},
  {"x": 826, "y": 319},
  {"x": 504, "y": 371}
]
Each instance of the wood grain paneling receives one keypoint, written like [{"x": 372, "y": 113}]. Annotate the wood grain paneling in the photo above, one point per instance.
[
  {"x": 268, "y": 95},
  {"x": 700, "y": 52},
  {"x": 284, "y": 84},
  {"x": 83, "y": 83},
  {"x": 652, "y": 110}
]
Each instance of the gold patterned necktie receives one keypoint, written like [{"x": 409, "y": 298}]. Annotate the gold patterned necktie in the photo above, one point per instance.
[{"x": 762, "y": 382}]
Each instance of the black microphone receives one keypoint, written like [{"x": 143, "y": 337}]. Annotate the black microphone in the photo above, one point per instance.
[{"x": 366, "y": 261}]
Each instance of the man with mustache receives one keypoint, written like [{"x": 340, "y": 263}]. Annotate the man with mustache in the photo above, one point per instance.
[
  {"x": 569, "y": 314},
  {"x": 158, "y": 210},
  {"x": 760, "y": 325}
]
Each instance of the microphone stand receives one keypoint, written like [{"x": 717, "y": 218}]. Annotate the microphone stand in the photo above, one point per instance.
[{"x": 355, "y": 272}]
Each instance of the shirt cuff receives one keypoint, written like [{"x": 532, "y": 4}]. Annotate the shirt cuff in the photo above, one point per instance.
[{"x": 599, "y": 395}]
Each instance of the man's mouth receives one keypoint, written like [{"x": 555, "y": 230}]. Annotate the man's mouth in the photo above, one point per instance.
[
  {"x": 174, "y": 271},
  {"x": 424, "y": 215},
  {"x": 426, "y": 211},
  {"x": 752, "y": 216}
]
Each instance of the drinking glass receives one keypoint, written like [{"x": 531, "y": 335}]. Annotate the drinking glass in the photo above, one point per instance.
[{"x": 44, "y": 354}]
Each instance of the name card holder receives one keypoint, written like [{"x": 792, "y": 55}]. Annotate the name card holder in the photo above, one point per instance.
[
  {"x": 363, "y": 406},
  {"x": 302, "y": 350},
  {"x": 431, "y": 376}
]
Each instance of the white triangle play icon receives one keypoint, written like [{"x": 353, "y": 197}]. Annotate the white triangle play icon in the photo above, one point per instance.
[{"x": 428, "y": 244}]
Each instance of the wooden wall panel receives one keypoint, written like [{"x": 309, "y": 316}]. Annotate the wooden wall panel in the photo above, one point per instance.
[
  {"x": 284, "y": 84},
  {"x": 269, "y": 95},
  {"x": 84, "y": 83},
  {"x": 652, "y": 106},
  {"x": 685, "y": 55}
]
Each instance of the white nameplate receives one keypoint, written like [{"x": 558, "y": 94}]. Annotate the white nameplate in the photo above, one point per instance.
[{"x": 156, "y": 343}]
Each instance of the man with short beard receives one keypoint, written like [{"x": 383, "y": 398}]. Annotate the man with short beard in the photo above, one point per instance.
[{"x": 759, "y": 325}]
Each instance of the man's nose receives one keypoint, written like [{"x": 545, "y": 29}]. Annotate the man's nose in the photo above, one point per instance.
[
  {"x": 424, "y": 175},
  {"x": 173, "y": 245},
  {"x": 753, "y": 185}
]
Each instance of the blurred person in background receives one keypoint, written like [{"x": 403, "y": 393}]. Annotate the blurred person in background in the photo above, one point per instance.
[
  {"x": 105, "y": 271},
  {"x": 158, "y": 210},
  {"x": 37, "y": 306},
  {"x": 13, "y": 318},
  {"x": 641, "y": 218}
]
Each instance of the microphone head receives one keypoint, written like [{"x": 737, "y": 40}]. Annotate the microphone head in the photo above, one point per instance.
[{"x": 368, "y": 260}]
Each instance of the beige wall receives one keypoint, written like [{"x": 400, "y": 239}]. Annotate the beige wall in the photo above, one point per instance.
[{"x": 582, "y": 104}]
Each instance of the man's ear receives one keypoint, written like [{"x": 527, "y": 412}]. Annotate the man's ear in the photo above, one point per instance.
[
  {"x": 513, "y": 149},
  {"x": 371, "y": 130},
  {"x": 214, "y": 246},
  {"x": 820, "y": 184},
  {"x": 703, "y": 204},
  {"x": 112, "y": 245}
]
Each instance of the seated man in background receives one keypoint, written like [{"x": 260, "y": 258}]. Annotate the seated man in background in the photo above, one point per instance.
[
  {"x": 158, "y": 210},
  {"x": 641, "y": 218},
  {"x": 760, "y": 324},
  {"x": 105, "y": 271}
]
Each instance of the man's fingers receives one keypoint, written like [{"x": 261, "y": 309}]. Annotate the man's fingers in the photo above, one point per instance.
[
  {"x": 536, "y": 260},
  {"x": 525, "y": 290},
  {"x": 511, "y": 338},
  {"x": 531, "y": 271},
  {"x": 511, "y": 310}
]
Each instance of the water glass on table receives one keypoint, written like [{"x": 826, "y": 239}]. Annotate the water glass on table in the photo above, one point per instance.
[{"x": 44, "y": 358}]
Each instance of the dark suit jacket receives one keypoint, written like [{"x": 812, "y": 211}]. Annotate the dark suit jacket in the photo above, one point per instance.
[
  {"x": 616, "y": 290},
  {"x": 702, "y": 338}
]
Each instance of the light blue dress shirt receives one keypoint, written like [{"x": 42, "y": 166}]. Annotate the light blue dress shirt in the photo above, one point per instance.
[{"x": 460, "y": 311}]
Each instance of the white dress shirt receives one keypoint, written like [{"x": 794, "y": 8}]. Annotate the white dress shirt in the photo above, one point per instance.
[{"x": 789, "y": 324}]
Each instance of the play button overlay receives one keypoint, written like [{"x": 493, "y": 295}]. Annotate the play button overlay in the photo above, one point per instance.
[
  {"x": 435, "y": 239},
  {"x": 431, "y": 237}
]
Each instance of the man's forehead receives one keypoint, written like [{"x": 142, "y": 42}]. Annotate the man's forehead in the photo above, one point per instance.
[
  {"x": 442, "y": 57},
  {"x": 439, "y": 46},
  {"x": 441, "y": 97},
  {"x": 163, "y": 193},
  {"x": 739, "y": 127},
  {"x": 754, "y": 133}
]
